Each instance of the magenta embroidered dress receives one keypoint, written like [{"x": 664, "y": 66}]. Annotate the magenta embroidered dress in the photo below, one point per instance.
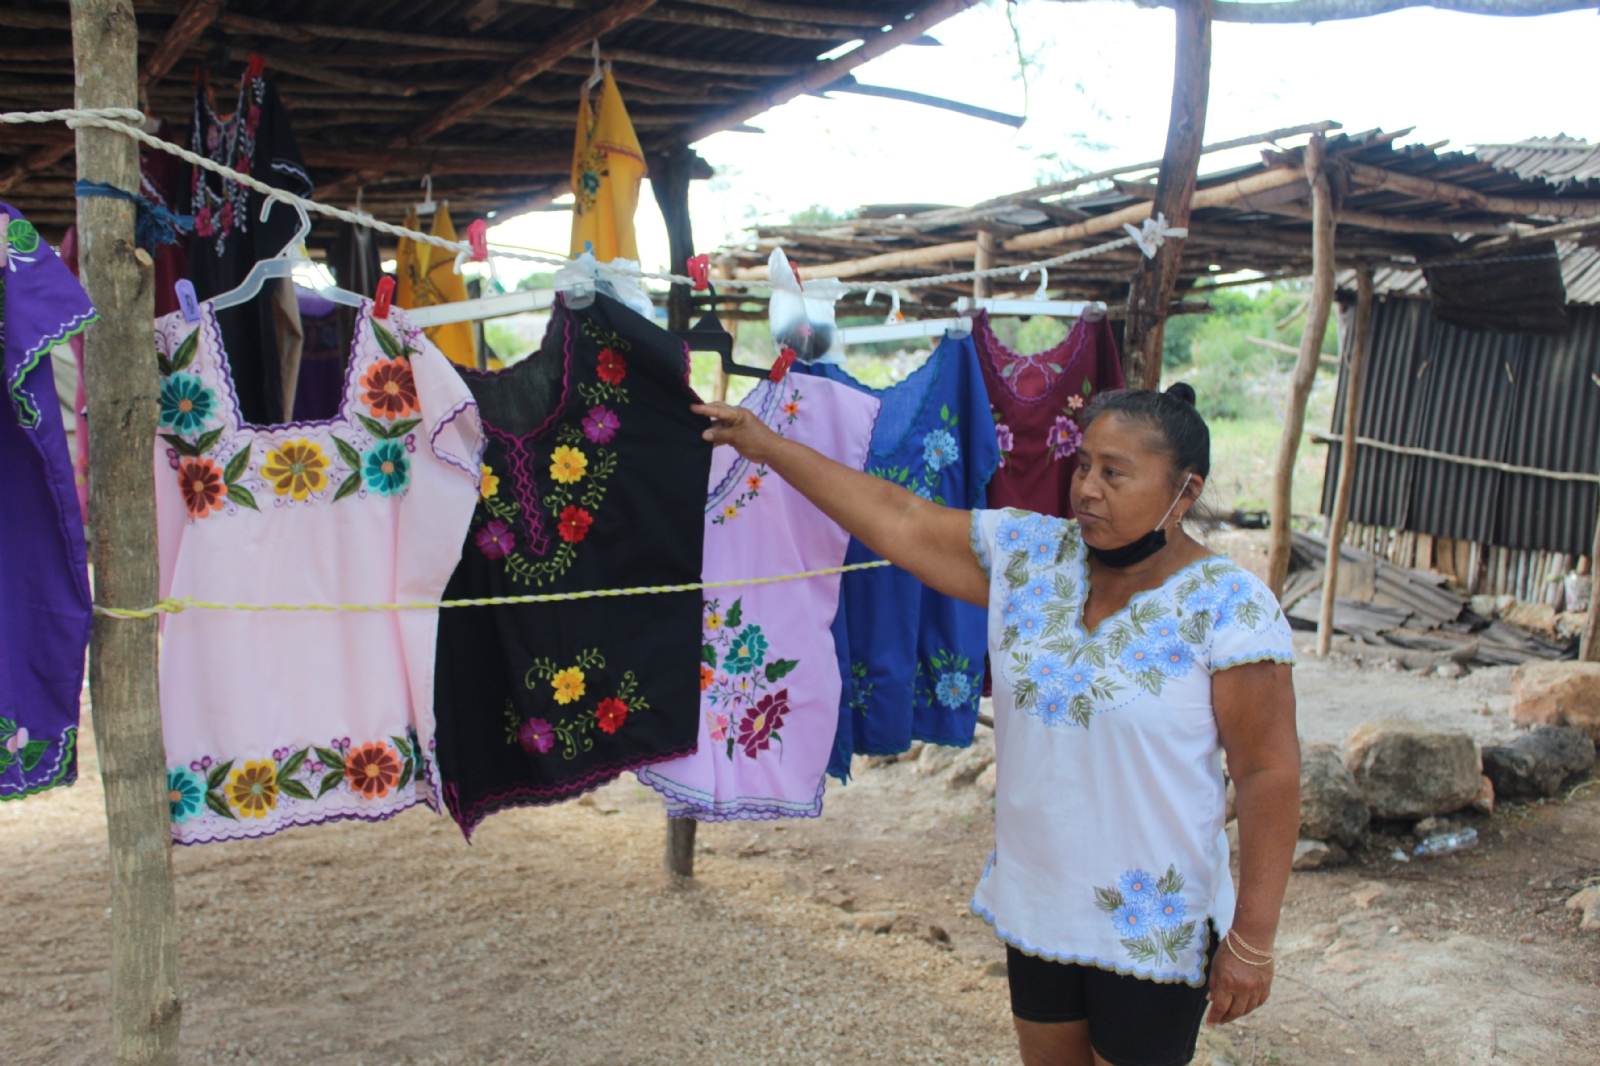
[
  {"x": 769, "y": 677},
  {"x": 275, "y": 719}
]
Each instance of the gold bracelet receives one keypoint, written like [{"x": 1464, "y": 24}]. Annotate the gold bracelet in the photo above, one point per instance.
[
  {"x": 1242, "y": 943},
  {"x": 1241, "y": 958}
]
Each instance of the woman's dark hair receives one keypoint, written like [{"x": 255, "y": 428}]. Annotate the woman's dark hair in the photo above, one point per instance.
[{"x": 1181, "y": 431}]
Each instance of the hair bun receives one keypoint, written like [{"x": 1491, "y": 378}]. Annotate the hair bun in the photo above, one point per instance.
[{"x": 1183, "y": 391}]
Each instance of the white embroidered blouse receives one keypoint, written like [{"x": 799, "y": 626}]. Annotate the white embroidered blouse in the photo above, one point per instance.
[{"x": 1109, "y": 841}]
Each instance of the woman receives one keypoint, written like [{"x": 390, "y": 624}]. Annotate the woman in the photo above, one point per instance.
[{"x": 1126, "y": 659}]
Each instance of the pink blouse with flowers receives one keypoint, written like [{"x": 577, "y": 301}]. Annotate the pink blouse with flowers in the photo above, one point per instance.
[
  {"x": 769, "y": 673},
  {"x": 281, "y": 718}
]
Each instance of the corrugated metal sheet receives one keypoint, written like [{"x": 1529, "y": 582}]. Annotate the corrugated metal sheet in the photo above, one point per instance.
[
  {"x": 1530, "y": 401},
  {"x": 1580, "y": 274},
  {"x": 1558, "y": 160}
]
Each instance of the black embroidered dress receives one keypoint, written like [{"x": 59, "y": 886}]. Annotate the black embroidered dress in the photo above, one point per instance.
[{"x": 594, "y": 478}]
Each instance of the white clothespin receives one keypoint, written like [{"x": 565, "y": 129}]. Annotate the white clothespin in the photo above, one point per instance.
[
  {"x": 870, "y": 294},
  {"x": 599, "y": 73},
  {"x": 427, "y": 206},
  {"x": 1152, "y": 234},
  {"x": 895, "y": 317}
]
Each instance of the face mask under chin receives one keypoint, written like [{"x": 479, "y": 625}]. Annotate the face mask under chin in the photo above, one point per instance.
[{"x": 1139, "y": 550}]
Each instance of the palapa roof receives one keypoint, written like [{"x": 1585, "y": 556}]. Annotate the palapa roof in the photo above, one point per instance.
[
  {"x": 482, "y": 94},
  {"x": 1397, "y": 206}
]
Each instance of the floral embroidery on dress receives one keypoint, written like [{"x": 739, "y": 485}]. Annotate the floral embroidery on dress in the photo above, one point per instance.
[
  {"x": 948, "y": 680},
  {"x": 256, "y": 788},
  {"x": 186, "y": 404},
  {"x": 388, "y": 386},
  {"x": 1003, "y": 437},
  {"x": 1064, "y": 438},
  {"x": 753, "y": 481},
  {"x": 568, "y": 685},
  {"x": 737, "y": 680},
  {"x": 1149, "y": 914},
  {"x": 17, "y": 748},
  {"x": 939, "y": 452},
  {"x": 296, "y": 468},
  {"x": 233, "y": 144}
]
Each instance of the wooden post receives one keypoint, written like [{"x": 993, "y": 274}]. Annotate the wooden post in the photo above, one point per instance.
[
  {"x": 119, "y": 364},
  {"x": 1155, "y": 280},
  {"x": 1589, "y": 647},
  {"x": 1359, "y": 342},
  {"x": 983, "y": 259},
  {"x": 670, "y": 179},
  {"x": 1305, "y": 370}
]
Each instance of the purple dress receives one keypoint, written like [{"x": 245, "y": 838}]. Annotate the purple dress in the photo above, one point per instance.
[{"x": 44, "y": 574}]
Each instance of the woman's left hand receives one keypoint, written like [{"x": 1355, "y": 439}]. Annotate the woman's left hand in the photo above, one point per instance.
[{"x": 1236, "y": 989}]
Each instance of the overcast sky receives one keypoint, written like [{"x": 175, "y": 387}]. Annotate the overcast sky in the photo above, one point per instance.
[{"x": 1101, "y": 75}]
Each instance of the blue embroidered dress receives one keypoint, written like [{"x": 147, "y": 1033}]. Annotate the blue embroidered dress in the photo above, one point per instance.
[
  {"x": 1108, "y": 825},
  {"x": 912, "y": 659}
]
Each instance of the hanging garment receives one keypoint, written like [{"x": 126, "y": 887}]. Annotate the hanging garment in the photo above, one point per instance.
[
  {"x": 275, "y": 719},
  {"x": 80, "y": 397},
  {"x": 1038, "y": 402},
  {"x": 356, "y": 268},
  {"x": 322, "y": 362},
  {"x": 428, "y": 278},
  {"x": 161, "y": 181},
  {"x": 1109, "y": 842},
  {"x": 229, "y": 236},
  {"x": 912, "y": 659},
  {"x": 769, "y": 677},
  {"x": 44, "y": 572},
  {"x": 594, "y": 478},
  {"x": 607, "y": 167}
]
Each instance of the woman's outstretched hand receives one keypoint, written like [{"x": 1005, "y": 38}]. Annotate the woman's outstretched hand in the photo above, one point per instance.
[
  {"x": 1236, "y": 989},
  {"x": 738, "y": 426}
]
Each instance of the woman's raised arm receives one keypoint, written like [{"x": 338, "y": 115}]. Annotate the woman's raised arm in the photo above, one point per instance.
[{"x": 930, "y": 541}]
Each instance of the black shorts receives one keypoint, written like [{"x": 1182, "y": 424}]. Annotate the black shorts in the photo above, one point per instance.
[{"x": 1133, "y": 1021}]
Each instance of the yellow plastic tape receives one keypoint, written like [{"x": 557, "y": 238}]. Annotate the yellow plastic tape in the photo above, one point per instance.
[{"x": 175, "y": 606}]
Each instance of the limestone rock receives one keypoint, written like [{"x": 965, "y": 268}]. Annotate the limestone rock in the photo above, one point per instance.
[
  {"x": 935, "y": 759},
  {"x": 1308, "y": 854},
  {"x": 1331, "y": 804},
  {"x": 1569, "y": 624},
  {"x": 1483, "y": 802},
  {"x": 1539, "y": 617},
  {"x": 1587, "y": 901},
  {"x": 1405, "y": 770},
  {"x": 1564, "y": 693},
  {"x": 986, "y": 781},
  {"x": 970, "y": 763},
  {"x": 1538, "y": 763}
]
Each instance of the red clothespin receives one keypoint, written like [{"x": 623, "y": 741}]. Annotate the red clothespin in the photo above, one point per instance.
[
  {"x": 255, "y": 68},
  {"x": 781, "y": 365},
  {"x": 380, "y": 303},
  {"x": 700, "y": 270},
  {"x": 798, "y": 280},
  {"x": 478, "y": 237}
]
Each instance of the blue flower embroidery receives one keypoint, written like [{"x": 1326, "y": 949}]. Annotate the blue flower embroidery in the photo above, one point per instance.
[
  {"x": 386, "y": 469},
  {"x": 1137, "y": 884},
  {"x": 186, "y": 794},
  {"x": 1028, "y": 620},
  {"x": 953, "y": 690},
  {"x": 1052, "y": 709},
  {"x": 1132, "y": 919},
  {"x": 1035, "y": 534},
  {"x": 1161, "y": 649},
  {"x": 1036, "y": 593},
  {"x": 923, "y": 491},
  {"x": 748, "y": 651},
  {"x": 939, "y": 449},
  {"x": 1049, "y": 673},
  {"x": 1079, "y": 680},
  {"x": 186, "y": 404},
  {"x": 1168, "y": 911}
]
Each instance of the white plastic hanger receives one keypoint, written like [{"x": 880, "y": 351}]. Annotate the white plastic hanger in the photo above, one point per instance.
[
  {"x": 281, "y": 266},
  {"x": 427, "y": 206},
  {"x": 926, "y": 327}
]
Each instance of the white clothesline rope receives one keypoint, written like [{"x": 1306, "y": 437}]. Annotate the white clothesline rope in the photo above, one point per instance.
[{"x": 128, "y": 121}]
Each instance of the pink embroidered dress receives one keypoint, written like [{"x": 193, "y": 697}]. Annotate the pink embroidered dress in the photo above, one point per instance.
[
  {"x": 769, "y": 676},
  {"x": 275, "y": 719}
]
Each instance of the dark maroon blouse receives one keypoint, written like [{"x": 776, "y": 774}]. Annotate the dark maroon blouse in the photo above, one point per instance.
[{"x": 1038, "y": 403}]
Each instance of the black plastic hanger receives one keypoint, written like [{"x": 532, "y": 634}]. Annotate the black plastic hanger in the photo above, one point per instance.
[{"x": 709, "y": 335}]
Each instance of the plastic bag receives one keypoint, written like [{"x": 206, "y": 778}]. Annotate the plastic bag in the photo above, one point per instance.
[
  {"x": 802, "y": 321},
  {"x": 580, "y": 278}
]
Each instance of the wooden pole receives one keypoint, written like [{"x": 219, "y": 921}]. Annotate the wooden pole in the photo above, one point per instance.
[
  {"x": 1155, "y": 280},
  {"x": 1305, "y": 370},
  {"x": 1589, "y": 647},
  {"x": 119, "y": 364},
  {"x": 669, "y": 179},
  {"x": 1359, "y": 342},
  {"x": 983, "y": 259}
]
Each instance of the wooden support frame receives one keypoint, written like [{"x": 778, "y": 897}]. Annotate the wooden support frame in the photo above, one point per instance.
[
  {"x": 1589, "y": 646},
  {"x": 122, "y": 389},
  {"x": 1460, "y": 196},
  {"x": 1305, "y": 371},
  {"x": 1156, "y": 279},
  {"x": 1360, "y": 341}
]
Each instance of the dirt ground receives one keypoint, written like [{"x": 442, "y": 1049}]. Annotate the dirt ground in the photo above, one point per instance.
[{"x": 556, "y": 939}]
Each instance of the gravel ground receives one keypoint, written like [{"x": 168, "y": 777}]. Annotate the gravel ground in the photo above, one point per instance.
[{"x": 555, "y": 938}]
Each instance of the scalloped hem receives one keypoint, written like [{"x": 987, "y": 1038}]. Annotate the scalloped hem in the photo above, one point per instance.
[
  {"x": 27, "y": 414},
  {"x": 1023, "y": 946},
  {"x": 1286, "y": 658},
  {"x": 682, "y": 803},
  {"x": 445, "y": 422},
  {"x": 314, "y": 818},
  {"x": 469, "y": 818},
  {"x": 61, "y": 775}
]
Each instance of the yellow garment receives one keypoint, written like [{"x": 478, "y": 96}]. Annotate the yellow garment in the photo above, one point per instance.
[
  {"x": 426, "y": 278},
  {"x": 607, "y": 167}
]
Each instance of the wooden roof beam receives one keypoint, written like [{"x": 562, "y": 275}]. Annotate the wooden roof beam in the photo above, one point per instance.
[
  {"x": 1461, "y": 197},
  {"x": 453, "y": 160},
  {"x": 557, "y": 47},
  {"x": 828, "y": 71},
  {"x": 733, "y": 16},
  {"x": 193, "y": 20},
  {"x": 1391, "y": 223},
  {"x": 1330, "y": 10}
]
